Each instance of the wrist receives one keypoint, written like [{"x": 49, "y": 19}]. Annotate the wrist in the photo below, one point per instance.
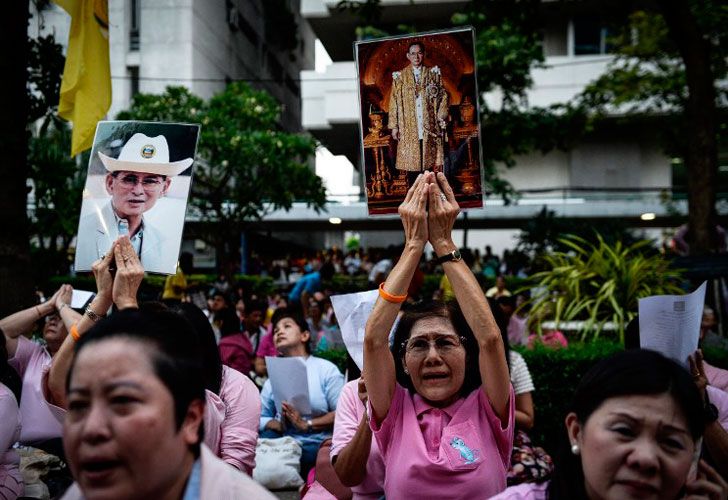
[
  {"x": 127, "y": 304},
  {"x": 443, "y": 247}
]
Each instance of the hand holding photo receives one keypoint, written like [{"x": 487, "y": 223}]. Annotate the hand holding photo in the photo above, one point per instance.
[{"x": 135, "y": 188}]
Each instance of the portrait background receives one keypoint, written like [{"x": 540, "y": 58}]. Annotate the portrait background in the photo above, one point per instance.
[
  {"x": 453, "y": 52},
  {"x": 168, "y": 213}
]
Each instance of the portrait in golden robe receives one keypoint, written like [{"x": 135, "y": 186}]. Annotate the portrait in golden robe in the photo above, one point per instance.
[{"x": 418, "y": 101}]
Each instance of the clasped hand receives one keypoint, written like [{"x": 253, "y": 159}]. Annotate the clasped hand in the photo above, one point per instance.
[
  {"x": 121, "y": 286},
  {"x": 428, "y": 212}
]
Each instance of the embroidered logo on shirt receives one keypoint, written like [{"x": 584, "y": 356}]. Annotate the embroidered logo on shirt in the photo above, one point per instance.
[{"x": 468, "y": 455}]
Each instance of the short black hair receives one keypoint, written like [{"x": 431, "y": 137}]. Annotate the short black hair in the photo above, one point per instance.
[
  {"x": 418, "y": 43},
  {"x": 175, "y": 353},
  {"x": 287, "y": 312}
]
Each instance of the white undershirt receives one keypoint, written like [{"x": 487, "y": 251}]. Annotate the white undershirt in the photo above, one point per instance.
[{"x": 418, "y": 104}]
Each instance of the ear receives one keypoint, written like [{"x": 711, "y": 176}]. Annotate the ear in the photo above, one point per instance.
[
  {"x": 109, "y": 181},
  {"x": 305, "y": 336},
  {"x": 167, "y": 182},
  {"x": 191, "y": 424},
  {"x": 573, "y": 428}
]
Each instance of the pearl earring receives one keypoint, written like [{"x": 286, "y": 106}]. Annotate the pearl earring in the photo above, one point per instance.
[{"x": 575, "y": 449}]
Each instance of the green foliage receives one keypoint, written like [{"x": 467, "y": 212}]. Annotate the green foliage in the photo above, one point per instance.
[
  {"x": 45, "y": 67},
  {"x": 599, "y": 283},
  {"x": 246, "y": 167},
  {"x": 556, "y": 373},
  {"x": 543, "y": 233}
]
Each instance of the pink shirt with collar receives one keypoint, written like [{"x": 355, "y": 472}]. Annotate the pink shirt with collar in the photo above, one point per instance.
[
  {"x": 231, "y": 420},
  {"x": 349, "y": 412},
  {"x": 431, "y": 450},
  {"x": 32, "y": 361}
]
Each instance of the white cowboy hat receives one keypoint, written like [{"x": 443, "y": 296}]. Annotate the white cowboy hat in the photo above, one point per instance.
[{"x": 149, "y": 155}]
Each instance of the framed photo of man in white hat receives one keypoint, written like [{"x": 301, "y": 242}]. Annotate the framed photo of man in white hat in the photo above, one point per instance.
[{"x": 138, "y": 183}]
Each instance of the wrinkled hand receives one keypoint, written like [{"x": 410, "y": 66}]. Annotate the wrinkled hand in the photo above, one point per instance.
[
  {"x": 698, "y": 372},
  {"x": 102, "y": 274},
  {"x": 63, "y": 296},
  {"x": 293, "y": 416},
  {"x": 413, "y": 211},
  {"x": 129, "y": 274},
  {"x": 395, "y": 134},
  {"x": 708, "y": 485},
  {"x": 442, "y": 214}
]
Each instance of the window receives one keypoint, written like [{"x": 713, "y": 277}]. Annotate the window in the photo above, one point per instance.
[
  {"x": 133, "y": 80},
  {"x": 590, "y": 36},
  {"x": 134, "y": 25}
]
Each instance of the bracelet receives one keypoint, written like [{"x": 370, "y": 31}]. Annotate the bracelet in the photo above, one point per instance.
[
  {"x": 394, "y": 299},
  {"x": 37, "y": 309},
  {"x": 60, "y": 308},
  {"x": 74, "y": 333},
  {"x": 92, "y": 315}
]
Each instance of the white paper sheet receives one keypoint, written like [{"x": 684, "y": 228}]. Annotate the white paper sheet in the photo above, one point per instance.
[
  {"x": 289, "y": 381},
  {"x": 352, "y": 311},
  {"x": 80, "y": 297},
  {"x": 670, "y": 324}
]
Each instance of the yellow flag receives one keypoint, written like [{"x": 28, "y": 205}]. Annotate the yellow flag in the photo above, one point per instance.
[{"x": 86, "y": 84}]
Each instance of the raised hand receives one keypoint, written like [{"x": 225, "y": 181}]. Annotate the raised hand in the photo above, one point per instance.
[
  {"x": 442, "y": 214},
  {"x": 708, "y": 485},
  {"x": 413, "y": 212},
  {"x": 129, "y": 274},
  {"x": 104, "y": 279}
]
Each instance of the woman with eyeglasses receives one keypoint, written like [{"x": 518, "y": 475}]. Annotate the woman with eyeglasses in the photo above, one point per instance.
[{"x": 441, "y": 403}]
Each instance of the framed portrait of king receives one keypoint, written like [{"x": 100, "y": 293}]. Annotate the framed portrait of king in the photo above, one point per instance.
[
  {"x": 138, "y": 182},
  {"x": 418, "y": 98}
]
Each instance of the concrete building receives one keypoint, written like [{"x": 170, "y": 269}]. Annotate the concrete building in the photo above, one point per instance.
[
  {"x": 619, "y": 173},
  {"x": 201, "y": 44}
]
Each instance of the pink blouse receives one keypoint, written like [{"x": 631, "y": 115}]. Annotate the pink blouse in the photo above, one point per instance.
[
  {"x": 434, "y": 450},
  {"x": 231, "y": 420}
]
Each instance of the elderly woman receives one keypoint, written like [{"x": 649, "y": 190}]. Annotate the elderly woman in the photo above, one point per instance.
[
  {"x": 441, "y": 404},
  {"x": 292, "y": 338},
  {"x": 631, "y": 432},
  {"x": 136, "y": 402}
]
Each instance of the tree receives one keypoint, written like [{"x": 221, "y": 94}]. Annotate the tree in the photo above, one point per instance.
[
  {"x": 56, "y": 178},
  {"x": 16, "y": 289},
  {"x": 667, "y": 63},
  {"x": 245, "y": 167}
]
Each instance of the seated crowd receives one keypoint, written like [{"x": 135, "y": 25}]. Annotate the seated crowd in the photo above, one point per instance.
[{"x": 169, "y": 400}]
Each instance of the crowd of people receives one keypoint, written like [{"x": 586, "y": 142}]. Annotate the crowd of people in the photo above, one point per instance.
[{"x": 171, "y": 399}]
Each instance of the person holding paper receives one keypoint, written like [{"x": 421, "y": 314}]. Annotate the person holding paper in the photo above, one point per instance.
[
  {"x": 135, "y": 181},
  {"x": 441, "y": 405},
  {"x": 325, "y": 381}
]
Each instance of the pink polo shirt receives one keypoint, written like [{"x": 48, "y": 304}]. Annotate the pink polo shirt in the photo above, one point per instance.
[
  {"x": 11, "y": 480},
  {"x": 231, "y": 420},
  {"x": 349, "y": 412},
  {"x": 440, "y": 452},
  {"x": 39, "y": 423},
  {"x": 717, "y": 377}
]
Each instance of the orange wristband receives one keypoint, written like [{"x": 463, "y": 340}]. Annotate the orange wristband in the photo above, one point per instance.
[
  {"x": 394, "y": 299},
  {"x": 74, "y": 333}
]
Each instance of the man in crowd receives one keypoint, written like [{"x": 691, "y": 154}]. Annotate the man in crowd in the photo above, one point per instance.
[{"x": 135, "y": 181}]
